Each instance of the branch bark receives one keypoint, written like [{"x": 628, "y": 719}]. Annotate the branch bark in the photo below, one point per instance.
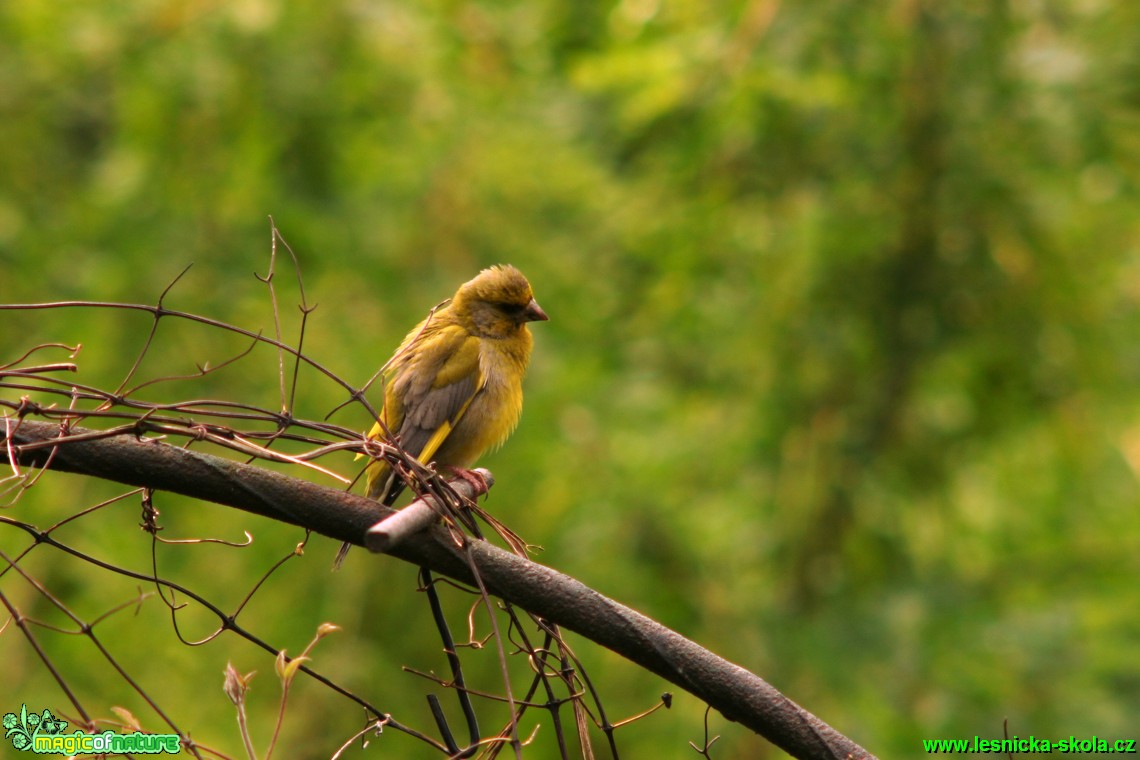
[{"x": 736, "y": 693}]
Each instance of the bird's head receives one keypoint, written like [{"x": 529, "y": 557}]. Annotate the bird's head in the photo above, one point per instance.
[{"x": 497, "y": 303}]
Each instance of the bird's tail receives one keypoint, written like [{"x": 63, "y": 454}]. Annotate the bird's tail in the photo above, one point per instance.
[
  {"x": 385, "y": 486},
  {"x": 340, "y": 555}
]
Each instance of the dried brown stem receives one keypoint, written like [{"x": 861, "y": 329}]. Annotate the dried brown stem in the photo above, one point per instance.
[{"x": 738, "y": 694}]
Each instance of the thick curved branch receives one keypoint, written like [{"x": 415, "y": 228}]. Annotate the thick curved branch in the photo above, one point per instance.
[{"x": 738, "y": 694}]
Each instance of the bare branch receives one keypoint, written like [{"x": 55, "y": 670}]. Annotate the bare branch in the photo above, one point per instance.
[{"x": 736, "y": 693}]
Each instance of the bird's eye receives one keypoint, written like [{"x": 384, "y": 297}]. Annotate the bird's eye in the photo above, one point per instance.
[{"x": 509, "y": 308}]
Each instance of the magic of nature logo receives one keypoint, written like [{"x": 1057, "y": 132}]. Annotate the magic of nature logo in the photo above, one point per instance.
[{"x": 43, "y": 733}]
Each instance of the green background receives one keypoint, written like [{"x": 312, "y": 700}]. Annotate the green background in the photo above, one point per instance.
[{"x": 839, "y": 378}]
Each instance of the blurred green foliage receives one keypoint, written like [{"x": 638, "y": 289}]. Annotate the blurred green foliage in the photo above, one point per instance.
[{"x": 840, "y": 378}]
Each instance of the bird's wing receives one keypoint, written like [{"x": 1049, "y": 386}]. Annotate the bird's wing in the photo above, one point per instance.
[
  {"x": 429, "y": 392},
  {"x": 431, "y": 411}
]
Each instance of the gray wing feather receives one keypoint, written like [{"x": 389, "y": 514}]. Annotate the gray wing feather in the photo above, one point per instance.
[{"x": 425, "y": 409}]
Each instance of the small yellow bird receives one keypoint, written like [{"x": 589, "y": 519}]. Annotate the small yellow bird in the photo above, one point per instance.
[{"x": 454, "y": 386}]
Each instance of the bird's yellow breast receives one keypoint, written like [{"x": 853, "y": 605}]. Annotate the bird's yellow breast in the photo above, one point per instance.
[{"x": 494, "y": 413}]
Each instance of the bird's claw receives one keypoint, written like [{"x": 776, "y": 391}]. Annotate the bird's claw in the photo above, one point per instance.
[{"x": 473, "y": 478}]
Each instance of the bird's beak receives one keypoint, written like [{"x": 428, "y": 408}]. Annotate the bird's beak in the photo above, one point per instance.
[{"x": 534, "y": 313}]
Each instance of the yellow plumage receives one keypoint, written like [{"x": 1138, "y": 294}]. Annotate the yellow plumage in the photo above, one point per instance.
[{"x": 453, "y": 388}]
